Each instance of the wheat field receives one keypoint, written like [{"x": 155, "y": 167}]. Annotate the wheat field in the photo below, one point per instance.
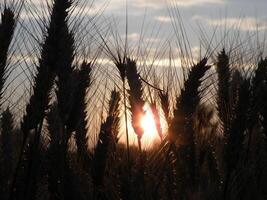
[{"x": 85, "y": 115}]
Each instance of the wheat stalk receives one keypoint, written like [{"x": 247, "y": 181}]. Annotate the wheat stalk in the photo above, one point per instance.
[
  {"x": 7, "y": 27},
  {"x": 181, "y": 126},
  {"x": 43, "y": 82},
  {"x": 135, "y": 98},
  {"x": 223, "y": 100},
  {"x": 7, "y": 152},
  {"x": 106, "y": 136}
]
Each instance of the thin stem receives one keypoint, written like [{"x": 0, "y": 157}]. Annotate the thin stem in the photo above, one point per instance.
[
  {"x": 139, "y": 145},
  {"x": 35, "y": 152},
  {"x": 126, "y": 125},
  {"x": 15, "y": 176}
]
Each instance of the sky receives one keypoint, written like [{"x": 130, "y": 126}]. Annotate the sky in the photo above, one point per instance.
[
  {"x": 155, "y": 20},
  {"x": 152, "y": 25},
  {"x": 249, "y": 15}
]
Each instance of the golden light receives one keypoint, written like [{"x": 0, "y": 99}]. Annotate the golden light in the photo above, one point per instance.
[
  {"x": 150, "y": 136},
  {"x": 149, "y": 126}
]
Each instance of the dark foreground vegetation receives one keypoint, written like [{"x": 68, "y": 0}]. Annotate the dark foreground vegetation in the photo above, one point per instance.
[{"x": 210, "y": 151}]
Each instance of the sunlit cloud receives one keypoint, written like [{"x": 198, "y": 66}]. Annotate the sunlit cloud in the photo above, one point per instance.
[
  {"x": 152, "y": 39},
  {"x": 157, "y": 4},
  {"x": 163, "y": 19},
  {"x": 37, "y": 9},
  {"x": 243, "y": 24},
  {"x": 132, "y": 36},
  {"x": 152, "y": 4},
  {"x": 188, "y": 3}
]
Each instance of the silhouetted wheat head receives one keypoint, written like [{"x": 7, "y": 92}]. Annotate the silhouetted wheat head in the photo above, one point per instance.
[
  {"x": 7, "y": 27},
  {"x": 224, "y": 75},
  {"x": 107, "y": 136},
  {"x": 135, "y": 98}
]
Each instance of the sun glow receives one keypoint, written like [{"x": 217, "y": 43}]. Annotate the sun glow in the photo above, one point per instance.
[
  {"x": 149, "y": 126},
  {"x": 147, "y": 123}
]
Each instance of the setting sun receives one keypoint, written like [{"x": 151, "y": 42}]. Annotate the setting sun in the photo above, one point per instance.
[{"x": 149, "y": 126}]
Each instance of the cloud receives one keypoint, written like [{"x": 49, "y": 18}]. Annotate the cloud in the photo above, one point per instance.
[
  {"x": 163, "y": 19},
  {"x": 132, "y": 36},
  {"x": 36, "y": 9},
  {"x": 152, "y": 40},
  {"x": 189, "y": 3},
  {"x": 113, "y": 6},
  {"x": 157, "y": 4},
  {"x": 152, "y": 4},
  {"x": 243, "y": 24}
]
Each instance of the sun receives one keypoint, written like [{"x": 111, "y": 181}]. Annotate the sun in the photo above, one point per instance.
[{"x": 149, "y": 126}]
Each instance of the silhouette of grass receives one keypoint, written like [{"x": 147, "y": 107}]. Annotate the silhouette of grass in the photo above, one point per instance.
[{"x": 214, "y": 142}]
